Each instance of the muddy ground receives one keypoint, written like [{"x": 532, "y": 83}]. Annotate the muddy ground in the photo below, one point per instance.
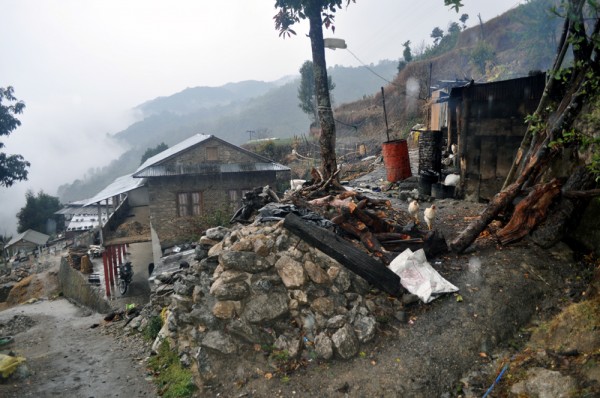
[{"x": 427, "y": 351}]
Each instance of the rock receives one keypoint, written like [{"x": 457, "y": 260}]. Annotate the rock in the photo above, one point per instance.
[
  {"x": 231, "y": 276},
  {"x": 262, "y": 246},
  {"x": 345, "y": 342},
  {"x": 243, "y": 245},
  {"x": 291, "y": 272},
  {"x": 216, "y": 249},
  {"x": 365, "y": 328},
  {"x": 288, "y": 344},
  {"x": 316, "y": 273},
  {"x": 336, "y": 322},
  {"x": 203, "y": 316},
  {"x": 323, "y": 346},
  {"x": 265, "y": 308},
  {"x": 183, "y": 289},
  {"x": 231, "y": 291},
  {"x": 207, "y": 243},
  {"x": 226, "y": 309},
  {"x": 243, "y": 261},
  {"x": 323, "y": 305},
  {"x": 342, "y": 281},
  {"x": 249, "y": 333},
  {"x": 544, "y": 383},
  {"x": 219, "y": 341},
  {"x": 217, "y": 233}
]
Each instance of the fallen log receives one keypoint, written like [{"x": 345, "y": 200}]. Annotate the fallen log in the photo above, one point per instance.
[
  {"x": 350, "y": 257},
  {"x": 529, "y": 212}
]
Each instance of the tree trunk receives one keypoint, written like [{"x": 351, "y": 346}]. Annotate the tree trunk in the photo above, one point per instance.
[
  {"x": 529, "y": 212},
  {"x": 327, "y": 137}
]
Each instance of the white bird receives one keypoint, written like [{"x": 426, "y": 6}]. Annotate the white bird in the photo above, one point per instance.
[
  {"x": 413, "y": 210},
  {"x": 429, "y": 216},
  {"x": 454, "y": 149}
]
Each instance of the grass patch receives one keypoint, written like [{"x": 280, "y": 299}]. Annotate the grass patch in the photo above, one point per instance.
[
  {"x": 152, "y": 328},
  {"x": 173, "y": 380}
]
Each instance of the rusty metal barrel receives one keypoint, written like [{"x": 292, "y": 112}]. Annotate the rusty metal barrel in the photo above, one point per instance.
[{"x": 396, "y": 160}]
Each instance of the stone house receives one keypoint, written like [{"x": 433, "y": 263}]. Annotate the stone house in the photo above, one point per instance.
[
  {"x": 26, "y": 242},
  {"x": 203, "y": 176}
]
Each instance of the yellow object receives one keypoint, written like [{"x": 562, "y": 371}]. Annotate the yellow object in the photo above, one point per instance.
[
  {"x": 129, "y": 307},
  {"x": 8, "y": 364}
]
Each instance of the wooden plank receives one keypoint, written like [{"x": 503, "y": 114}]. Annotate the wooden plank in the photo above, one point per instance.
[{"x": 349, "y": 256}]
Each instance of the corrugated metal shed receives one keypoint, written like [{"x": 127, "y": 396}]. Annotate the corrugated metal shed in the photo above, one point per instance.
[
  {"x": 153, "y": 167},
  {"x": 120, "y": 185},
  {"x": 30, "y": 235}
]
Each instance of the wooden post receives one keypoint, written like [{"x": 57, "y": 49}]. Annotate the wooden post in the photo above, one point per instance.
[
  {"x": 115, "y": 264},
  {"x": 107, "y": 275}
]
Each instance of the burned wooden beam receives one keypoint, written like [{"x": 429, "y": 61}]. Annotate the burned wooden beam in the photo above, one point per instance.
[{"x": 352, "y": 258}]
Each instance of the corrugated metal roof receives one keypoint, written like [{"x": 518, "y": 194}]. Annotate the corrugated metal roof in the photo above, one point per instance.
[
  {"x": 167, "y": 153},
  {"x": 80, "y": 210},
  {"x": 120, "y": 185},
  {"x": 153, "y": 168},
  {"x": 161, "y": 171},
  {"x": 85, "y": 222},
  {"x": 30, "y": 236}
]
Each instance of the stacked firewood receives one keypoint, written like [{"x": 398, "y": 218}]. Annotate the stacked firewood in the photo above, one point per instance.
[{"x": 381, "y": 229}]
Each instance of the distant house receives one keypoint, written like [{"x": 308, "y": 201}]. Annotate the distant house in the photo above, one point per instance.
[
  {"x": 199, "y": 177},
  {"x": 26, "y": 242},
  {"x": 487, "y": 123}
]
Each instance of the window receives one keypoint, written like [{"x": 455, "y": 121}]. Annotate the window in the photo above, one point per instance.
[
  {"x": 235, "y": 197},
  {"x": 212, "y": 153},
  {"x": 189, "y": 204}
]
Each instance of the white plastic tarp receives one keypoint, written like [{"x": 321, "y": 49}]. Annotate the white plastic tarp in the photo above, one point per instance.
[{"x": 419, "y": 277}]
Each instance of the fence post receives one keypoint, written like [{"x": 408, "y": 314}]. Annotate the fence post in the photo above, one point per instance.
[{"x": 107, "y": 275}]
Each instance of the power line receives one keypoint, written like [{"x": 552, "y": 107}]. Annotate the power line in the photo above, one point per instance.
[{"x": 371, "y": 70}]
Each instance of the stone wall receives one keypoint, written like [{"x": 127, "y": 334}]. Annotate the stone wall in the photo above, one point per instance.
[
  {"x": 74, "y": 285},
  {"x": 263, "y": 287},
  {"x": 226, "y": 154},
  {"x": 163, "y": 191}
]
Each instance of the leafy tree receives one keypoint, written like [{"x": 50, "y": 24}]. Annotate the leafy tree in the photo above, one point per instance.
[
  {"x": 481, "y": 55},
  {"x": 318, "y": 13},
  {"x": 37, "y": 212},
  {"x": 153, "y": 151},
  {"x": 307, "y": 93},
  {"x": 407, "y": 53},
  {"x": 463, "y": 19},
  {"x": 401, "y": 65},
  {"x": 13, "y": 168},
  {"x": 437, "y": 34},
  {"x": 454, "y": 28}
]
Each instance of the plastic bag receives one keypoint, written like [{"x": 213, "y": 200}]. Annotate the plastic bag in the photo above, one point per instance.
[
  {"x": 9, "y": 364},
  {"x": 419, "y": 277}
]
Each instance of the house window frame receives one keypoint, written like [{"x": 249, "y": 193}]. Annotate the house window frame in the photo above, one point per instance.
[
  {"x": 212, "y": 153},
  {"x": 189, "y": 204}
]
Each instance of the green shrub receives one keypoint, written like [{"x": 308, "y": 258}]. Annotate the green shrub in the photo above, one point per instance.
[
  {"x": 173, "y": 380},
  {"x": 152, "y": 328}
]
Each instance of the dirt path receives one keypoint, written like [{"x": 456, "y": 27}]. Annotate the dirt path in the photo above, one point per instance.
[{"x": 68, "y": 356}]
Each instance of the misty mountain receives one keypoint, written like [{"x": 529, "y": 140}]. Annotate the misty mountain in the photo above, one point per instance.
[{"x": 230, "y": 112}]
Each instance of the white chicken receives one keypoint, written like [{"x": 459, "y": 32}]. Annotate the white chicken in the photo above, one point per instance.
[
  {"x": 429, "y": 216},
  {"x": 413, "y": 210}
]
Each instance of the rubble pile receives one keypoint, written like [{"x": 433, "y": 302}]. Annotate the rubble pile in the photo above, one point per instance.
[
  {"x": 261, "y": 286},
  {"x": 132, "y": 228}
]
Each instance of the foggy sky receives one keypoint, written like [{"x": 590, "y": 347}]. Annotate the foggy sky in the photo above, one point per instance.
[{"x": 81, "y": 65}]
